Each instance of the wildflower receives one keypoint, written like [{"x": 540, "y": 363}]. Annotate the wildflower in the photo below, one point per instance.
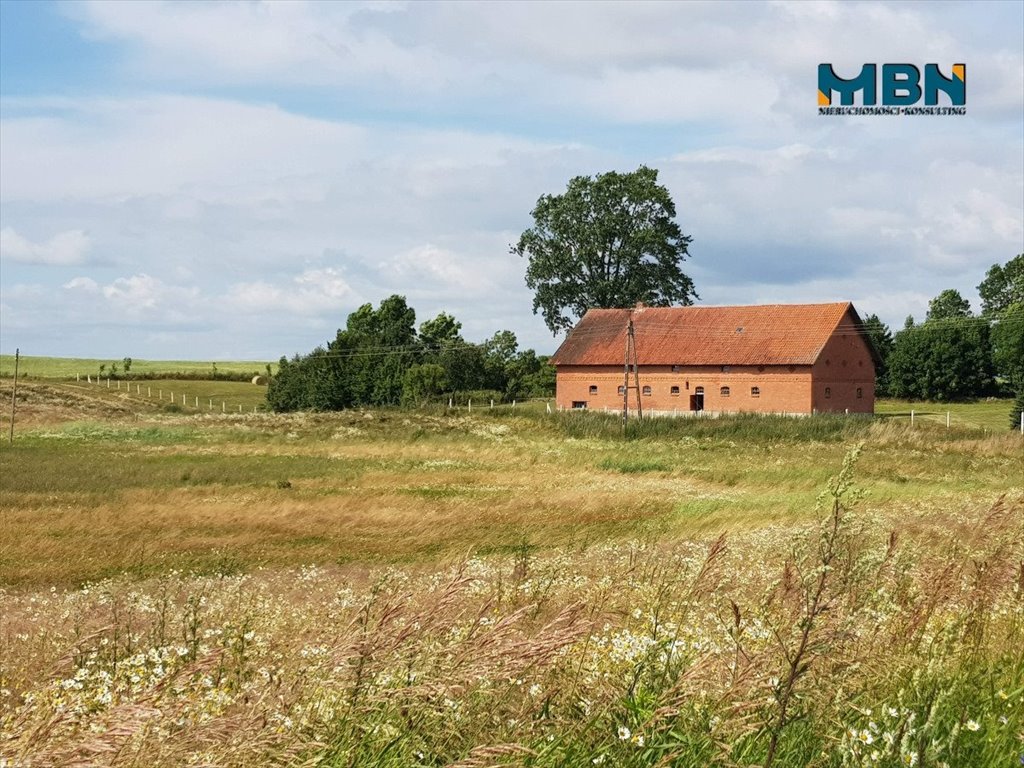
[
  {"x": 866, "y": 737},
  {"x": 973, "y": 725},
  {"x": 598, "y": 760},
  {"x": 535, "y": 690},
  {"x": 639, "y": 739},
  {"x": 624, "y": 733}
]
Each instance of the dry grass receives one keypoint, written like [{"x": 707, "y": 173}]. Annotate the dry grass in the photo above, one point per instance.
[{"x": 404, "y": 589}]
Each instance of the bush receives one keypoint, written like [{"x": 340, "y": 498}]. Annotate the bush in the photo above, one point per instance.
[{"x": 1018, "y": 408}]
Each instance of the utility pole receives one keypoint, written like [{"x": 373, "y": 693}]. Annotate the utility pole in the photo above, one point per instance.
[
  {"x": 14, "y": 393},
  {"x": 630, "y": 353}
]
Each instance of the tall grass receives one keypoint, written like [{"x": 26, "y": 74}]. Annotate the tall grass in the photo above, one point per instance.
[{"x": 838, "y": 643}]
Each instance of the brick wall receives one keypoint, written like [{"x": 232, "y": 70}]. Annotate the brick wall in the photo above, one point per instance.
[
  {"x": 781, "y": 389},
  {"x": 844, "y": 376}
]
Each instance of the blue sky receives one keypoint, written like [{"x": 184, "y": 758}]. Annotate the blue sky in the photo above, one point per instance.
[{"x": 230, "y": 180}]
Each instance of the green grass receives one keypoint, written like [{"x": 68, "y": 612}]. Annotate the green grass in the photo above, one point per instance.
[
  {"x": 166, "y": 394},
  {"x": 992, "y": 413},
  {"x": 70, "y": 367}
]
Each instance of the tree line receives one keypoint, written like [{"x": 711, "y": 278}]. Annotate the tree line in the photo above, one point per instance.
[
  {"x": 381, "y": 358},
  {"x": 955, "y": 354}
]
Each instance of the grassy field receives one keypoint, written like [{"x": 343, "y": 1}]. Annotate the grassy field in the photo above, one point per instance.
[
  {"x": 396, "y": 588},
  {"x": 70, "y": 367},
  {"x": 992, "y": 414}
]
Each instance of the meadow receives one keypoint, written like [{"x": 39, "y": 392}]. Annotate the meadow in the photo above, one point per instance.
[
  {"x": 183, "y": 586},
  {"x": 71, "y": 367}
]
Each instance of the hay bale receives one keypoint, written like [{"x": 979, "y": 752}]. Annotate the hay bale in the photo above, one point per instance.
[{"x": 261, "y": 380}]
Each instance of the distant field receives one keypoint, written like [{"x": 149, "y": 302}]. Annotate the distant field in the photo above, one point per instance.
[
  {"x": 993, "y": 414},
  {"x": 70, "y": 367}
]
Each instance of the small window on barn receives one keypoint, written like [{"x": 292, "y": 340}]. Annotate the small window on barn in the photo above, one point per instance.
[
  {"x": 579, "y": 405},
  {"x": 724, "y": 391},
  {"x": 755, "y": 391},
  {"x": 593, "y": 389},
  {"x": 622, "y": 390},
  {"x": 676, "y": 368},
  {"x": 860, "y": 393},
  {"x": 828, "y": 392},
  {"x": 699, "y": 391},
  {"x": 647, "y": 390},
  {"x": 674, "y": 391},
  {"x": 725, "y": 369}
]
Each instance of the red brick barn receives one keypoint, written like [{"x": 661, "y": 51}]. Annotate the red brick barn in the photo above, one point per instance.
[{"x": 774, "y": 358}]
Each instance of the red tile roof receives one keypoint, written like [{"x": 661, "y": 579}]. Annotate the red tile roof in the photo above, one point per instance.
[{"x": 768, "y": 334}]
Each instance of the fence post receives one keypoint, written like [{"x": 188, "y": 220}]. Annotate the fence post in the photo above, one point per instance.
[
  {"x": 947, "y": 419},
  {"x": 223, "y": 408},
  {"x": 469, "y": 406},
  {"x": 911, "y": 417}
]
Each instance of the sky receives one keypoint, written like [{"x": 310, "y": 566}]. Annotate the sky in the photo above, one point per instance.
[{"x": 228, "y": 181}]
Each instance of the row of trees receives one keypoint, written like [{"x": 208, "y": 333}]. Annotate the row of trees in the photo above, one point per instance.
[
  {"x": 955, "y": 354},
  {"x": 380, "y": 358}
]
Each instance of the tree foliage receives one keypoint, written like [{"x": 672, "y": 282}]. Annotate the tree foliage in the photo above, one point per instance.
[
  {"x": 881, "y": 339},
  {"x": 607, "y": 241},
  {"x": 379, "y": 359},
  {"x": 948, "y": 305},
  {"x": 945, "y": 360},
  {"x": 1008, "y": 345},
  {"x": 1002, "y": 286}
]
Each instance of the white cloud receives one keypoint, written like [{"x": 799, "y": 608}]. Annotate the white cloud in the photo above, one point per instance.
[
  {"x": 312, "y": 292},
  {"x": 63, "y": 249},
  {"x": 86, "y": 284}
]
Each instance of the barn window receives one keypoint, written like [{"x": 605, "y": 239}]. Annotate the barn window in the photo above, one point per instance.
[
  {"x": 725, "y": 369},
  {"x": 647, "y": 390},
  {"x": 674, "y": 391},
  {"x": 724, "y": 391},
  {"x": 593, "y": 389},
  {"x": 860, "y": 393},
  {"x": 622, "y": 390},
  {"x": 579, "y": 405},
  {"x": 755, "y": 391},
  {"x": 699, "y": 391},
  {"x": 676, "y": 368},
  {"x": 828, "y": 392}
]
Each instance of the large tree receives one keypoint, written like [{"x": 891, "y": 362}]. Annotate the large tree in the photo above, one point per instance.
[
  {"x": 607, "y": 241},
  {"x": 1002, "y": 286}
]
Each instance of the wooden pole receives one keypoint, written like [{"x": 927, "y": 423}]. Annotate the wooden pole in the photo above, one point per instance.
[{"x": 14, "y": 393}]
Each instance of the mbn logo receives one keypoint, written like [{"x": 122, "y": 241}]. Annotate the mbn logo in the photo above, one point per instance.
[{"x": 901, "y": 85}]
